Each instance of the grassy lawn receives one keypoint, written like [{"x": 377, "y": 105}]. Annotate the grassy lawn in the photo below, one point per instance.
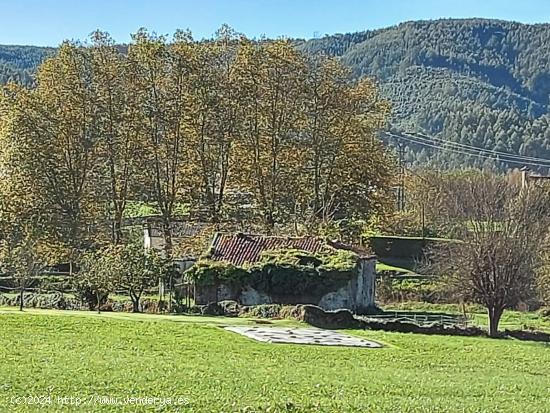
[
  {"x": 380, "y": 266},
  {"x": 81, "y": 354}
]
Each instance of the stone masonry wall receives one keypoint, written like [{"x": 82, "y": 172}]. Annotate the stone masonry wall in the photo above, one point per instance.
[{"x": 357, "y": 295}]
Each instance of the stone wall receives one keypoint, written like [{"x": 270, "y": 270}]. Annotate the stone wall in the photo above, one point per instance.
[{"x": 356, "y": 293}]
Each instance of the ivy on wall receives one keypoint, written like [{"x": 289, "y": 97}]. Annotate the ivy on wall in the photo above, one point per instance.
[{"x": 284, "y": 271}]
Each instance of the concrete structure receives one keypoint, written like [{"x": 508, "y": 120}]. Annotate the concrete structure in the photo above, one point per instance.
[
  {"x": 154, "y": 238},
  {"x": 355, "y": 293},
  {"x": 528, "y": 178},
  {"x": 302, "y": 336}
]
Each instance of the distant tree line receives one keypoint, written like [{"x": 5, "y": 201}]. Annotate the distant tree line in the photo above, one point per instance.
[{"x": 18, "y": 63}]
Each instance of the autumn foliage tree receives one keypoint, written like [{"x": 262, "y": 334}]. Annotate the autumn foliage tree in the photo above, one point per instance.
[
  {"x": 186, "y": 125},
  {"x": 52, "y": 135},
  {"x": 162, "y": 80},
  {"x": 137, "y": 270},
  {"x": 271, "y": 86},
  {"x": 119, "y": 132},
  {"x": 215, "y": 110}
]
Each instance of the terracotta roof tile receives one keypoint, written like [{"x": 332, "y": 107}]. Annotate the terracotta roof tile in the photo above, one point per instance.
[{"x": 239, "y": 249}]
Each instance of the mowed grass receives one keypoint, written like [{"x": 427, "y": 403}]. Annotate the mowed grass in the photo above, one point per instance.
[{"x": 82, "y": 354}]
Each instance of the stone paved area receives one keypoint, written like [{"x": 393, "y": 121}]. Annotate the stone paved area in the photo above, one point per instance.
[{"x": 302, "y": 336}]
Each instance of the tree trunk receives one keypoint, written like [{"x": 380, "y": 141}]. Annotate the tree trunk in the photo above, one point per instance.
[
  {"x": 21, "y": 296},
  {"x": 494, "y": 319},
  {"x": 269, "y": 222},
  {"x": 170, "y": 282},
  {"x": 117, "y": 228},
  {"x": 167, "y": 232},
  {"x": 135, "y": 301},
  {"x": 98, "y": 297}
]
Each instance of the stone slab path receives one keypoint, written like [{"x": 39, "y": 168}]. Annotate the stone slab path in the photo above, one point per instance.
[{"x": 302, "y": 336}]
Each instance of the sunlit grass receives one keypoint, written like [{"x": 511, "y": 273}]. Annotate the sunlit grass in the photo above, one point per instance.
[{"x": 83, "y": 354}]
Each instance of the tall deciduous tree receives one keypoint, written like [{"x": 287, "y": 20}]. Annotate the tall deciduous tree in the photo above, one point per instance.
[
  {"x": 119, "y": 146},
  {"x": 172, "y": 122},
  {"x": 162, "y": 73},
  {"x": 347, "y": 170},
  {"x": 271, "y": 88},
  {"x": 214, "y": 119},
  {"x": 53, "y": 133}
]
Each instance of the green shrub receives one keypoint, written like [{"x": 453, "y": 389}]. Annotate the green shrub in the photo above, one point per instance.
[
  {"x": 55, "y": 283},
  {"x": 338, "y": 260},
  {"x": 264, "y": 311},
  {"x": 207, "y": 272},
  {"x": 401, "y": 289},
  {"x": 86, "y": 295},
  {"x": 290, "y": 311}
]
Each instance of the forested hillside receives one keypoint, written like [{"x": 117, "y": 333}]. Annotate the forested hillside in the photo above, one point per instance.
[
  {"x": 478, "y": 82},
  {"x": 18, "y": 63},
  {"x": 484, "y": 83}
]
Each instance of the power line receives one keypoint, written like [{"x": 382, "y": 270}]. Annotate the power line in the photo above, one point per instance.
[
  {"x": 472, "y": 147},
  {"x": 473, "y": 151},
  {"x": 431, "y": 144}
]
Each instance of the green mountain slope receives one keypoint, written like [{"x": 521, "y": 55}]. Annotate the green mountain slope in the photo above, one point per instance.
[
  {"x": 18, "y": 63},
  {"x": 484, "y": 83}
]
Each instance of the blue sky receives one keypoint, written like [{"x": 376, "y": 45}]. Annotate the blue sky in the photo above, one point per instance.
[{"x": 48, "y": 22}]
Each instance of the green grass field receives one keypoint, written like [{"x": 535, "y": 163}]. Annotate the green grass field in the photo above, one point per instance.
[{"x": 82, "y": 354}]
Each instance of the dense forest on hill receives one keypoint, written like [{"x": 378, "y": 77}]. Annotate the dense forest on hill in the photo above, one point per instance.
[
  {"x": 484, "y": 83},
  {"x": 18, "y": 63}
]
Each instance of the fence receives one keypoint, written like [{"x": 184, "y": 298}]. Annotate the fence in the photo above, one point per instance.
[
  {"x": 56, "y": 290},
  {"x": 421, "y": 318}
]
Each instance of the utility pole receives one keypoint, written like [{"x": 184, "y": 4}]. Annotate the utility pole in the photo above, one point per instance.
[
  {"x": 401, "y": 187},
  {"x": 423, "y": 219}
]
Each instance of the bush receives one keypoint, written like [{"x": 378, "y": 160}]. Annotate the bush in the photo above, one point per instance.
[
  {"x": 290, "y": 311},
  {"x": 55, "y": 283},
  {"x": 45, "y": 301},
  {"x": 338, "y": 260},
  {"x": 400, "y": 289},
  {"x": 264, "y": 311},
  {"x": 86, "y": 295},
  {"x": 208, "y": 273}
]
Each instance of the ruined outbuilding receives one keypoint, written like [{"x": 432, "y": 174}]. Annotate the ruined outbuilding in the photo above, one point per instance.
[{"x": 354, "y": 290}]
